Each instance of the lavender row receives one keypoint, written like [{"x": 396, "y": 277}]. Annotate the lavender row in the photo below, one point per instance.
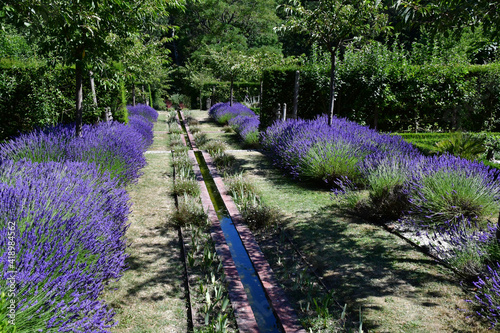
[
  {"x": 64, "y": 213},
  {"x": 448, "y": 197},
  {"x": 243, "y": 120}
]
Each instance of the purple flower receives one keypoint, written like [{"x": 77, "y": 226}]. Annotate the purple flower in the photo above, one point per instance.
[{"x": 69, "y": 222}]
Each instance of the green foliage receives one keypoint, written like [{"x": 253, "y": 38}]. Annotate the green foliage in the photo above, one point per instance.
[
  {"x": 378, "y": 86},
  {"x": 34, "y": 96},
  {"x": 462, "y": 144}
]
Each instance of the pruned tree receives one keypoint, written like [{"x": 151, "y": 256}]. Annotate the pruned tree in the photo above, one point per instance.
[{"x": 332, "y": 24}]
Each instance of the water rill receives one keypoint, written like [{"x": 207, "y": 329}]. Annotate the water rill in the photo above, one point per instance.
[{"x": 262, "y": 310}]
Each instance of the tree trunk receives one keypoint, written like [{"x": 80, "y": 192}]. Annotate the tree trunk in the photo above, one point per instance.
[
  {"x": 79, "y": 97},
  {"x": 92, "y": 87},
  {"x": 201, "y": 100},
  {"x": 332, "y": 87},
  {"x": 143, "y": 94},
  {"x": 261, "y": 94},
  {"x": 296, "y": 95},
  {"x": 231, "y": 93},
  {"x": 133, "y": 94}
]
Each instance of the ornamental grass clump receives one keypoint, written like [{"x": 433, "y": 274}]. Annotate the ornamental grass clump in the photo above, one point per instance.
[
  {"x": 69, "y": 220},
  {"x": 143, "y": 110},
  {"x": 143, "y": 127},
  {"x": 247, "y": 126}
]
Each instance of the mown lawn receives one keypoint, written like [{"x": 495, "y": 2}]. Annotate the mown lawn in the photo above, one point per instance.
[{"x": 150, "y": 295}]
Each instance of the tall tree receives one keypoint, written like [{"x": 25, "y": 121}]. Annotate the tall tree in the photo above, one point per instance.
[
  {"x": 332, "y": 24},
  {"x": 76, "y": 31},
  {"x": 242, "y": 24},
  {"x": 444, "y": 15}
]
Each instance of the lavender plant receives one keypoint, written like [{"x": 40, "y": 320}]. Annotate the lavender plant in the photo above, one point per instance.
[
  {"x": 450, "y": 189},
  {"x": 247, "y": 126},
  {"x": 143, "y": 110},
  {"x": 222, "y": 112},
  {"x": 143, "y": 127},
  {"x": 114, "y": 147},
  {"x": 70, "y": 221},
  {"x": 487, "y": 295}
]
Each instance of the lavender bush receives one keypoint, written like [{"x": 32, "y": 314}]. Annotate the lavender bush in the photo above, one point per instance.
[
  {"x": 487, "y": 296},
  {"x": 143, "y": 110},
  {"x": 222, "y": 112},
  {"x": 70, "y": 221},
  {"x": 114, "y": 147},
  {"x": 247, "y": 127}
]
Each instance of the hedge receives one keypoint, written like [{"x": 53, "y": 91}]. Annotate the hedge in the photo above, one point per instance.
[{"x": 393, "y": 98}]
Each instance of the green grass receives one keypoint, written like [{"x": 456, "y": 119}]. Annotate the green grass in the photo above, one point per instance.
[{"x": 361, "y": 262}]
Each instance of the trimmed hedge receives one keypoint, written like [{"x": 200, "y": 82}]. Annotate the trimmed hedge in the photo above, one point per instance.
[{"x": 395, "y": 97}]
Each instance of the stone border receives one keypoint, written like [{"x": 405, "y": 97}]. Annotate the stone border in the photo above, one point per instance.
[{"x": 245, "y": 317}]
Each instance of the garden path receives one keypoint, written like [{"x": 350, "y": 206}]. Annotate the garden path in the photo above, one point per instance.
[{"x": 150, "y": 295}]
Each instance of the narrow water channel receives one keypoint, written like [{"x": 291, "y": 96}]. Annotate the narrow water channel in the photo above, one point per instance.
[{"x": 261, "y": 308}]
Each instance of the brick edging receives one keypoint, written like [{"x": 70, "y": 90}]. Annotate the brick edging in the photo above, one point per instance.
[
  {"x": 285, "y": 313},
  {"x": 245, "y": 317}
]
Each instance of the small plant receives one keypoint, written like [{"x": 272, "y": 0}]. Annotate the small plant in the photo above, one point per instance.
[
  {"x": 186, "y": 186},
  {"x": 215, "y": 146},
  {"x": 189, "y": 212},
  {"x": 174, "y": 128},
  {"x": 201, "y": 139}
]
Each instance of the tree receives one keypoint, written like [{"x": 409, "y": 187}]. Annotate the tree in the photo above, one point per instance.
[
  {"x": 332, "y": 24},
  {"x": 76, "y": 31},
  {"x": 444, "y": 15},
  {"x": 242, "y": 24}
]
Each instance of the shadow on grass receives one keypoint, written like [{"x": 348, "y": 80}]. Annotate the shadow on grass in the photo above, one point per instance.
[
  {"x": 153, "y": 265},
  {"x": 359, "y": 260}
]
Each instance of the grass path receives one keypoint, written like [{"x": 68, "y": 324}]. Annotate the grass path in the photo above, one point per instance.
[
  {"x": 397, "y": 288},
  {"x": 150, "y": 295}
]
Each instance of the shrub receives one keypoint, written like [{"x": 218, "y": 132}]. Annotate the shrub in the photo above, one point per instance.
[
  {"x": 247, "y": 127},
  {"x": 114, "y": 147},
  {"x": 312, "y": 148},
  {"x": 189, "y": 212},
  {"x": 70, "y": 222},
  {"x": 463, "y": 145},
  {"x": 450, "y": 189},
  {"x": 143, "y": 127},
  {"x": 487, "y": 299},
  {"x": 143, "y": 110}
]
